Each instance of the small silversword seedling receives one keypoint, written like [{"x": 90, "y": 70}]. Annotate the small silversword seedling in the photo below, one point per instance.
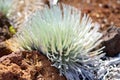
[
  {"x": 64, "y": 36},
  {"x": 5, "y": 6}
]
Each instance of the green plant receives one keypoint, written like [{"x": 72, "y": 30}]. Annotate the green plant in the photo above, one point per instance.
[
  {"x": 65, "y": 37},
  {"x": 5, "y": 6}
]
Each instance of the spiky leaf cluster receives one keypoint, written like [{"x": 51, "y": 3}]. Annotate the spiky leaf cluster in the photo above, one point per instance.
[
  {"x": 109, "y": 69},
  {"x": 5, "y": 6},
  {"x": 64, "y": 36}
]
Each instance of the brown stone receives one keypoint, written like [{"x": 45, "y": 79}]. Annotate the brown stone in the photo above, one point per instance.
[{"x": 112, "y": 41}]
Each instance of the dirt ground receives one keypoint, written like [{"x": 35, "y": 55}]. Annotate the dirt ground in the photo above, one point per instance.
[{"x": 105, "y": 12}]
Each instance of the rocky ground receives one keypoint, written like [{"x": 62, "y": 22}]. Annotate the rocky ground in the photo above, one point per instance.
[
  {"x": 33, "y": 66},
  {"x": 27, "y": 66}
]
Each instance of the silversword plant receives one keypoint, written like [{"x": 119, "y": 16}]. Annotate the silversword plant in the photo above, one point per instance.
[
  {"x": 65, "y": 36},
  {"x": 5, "y": 6}
]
